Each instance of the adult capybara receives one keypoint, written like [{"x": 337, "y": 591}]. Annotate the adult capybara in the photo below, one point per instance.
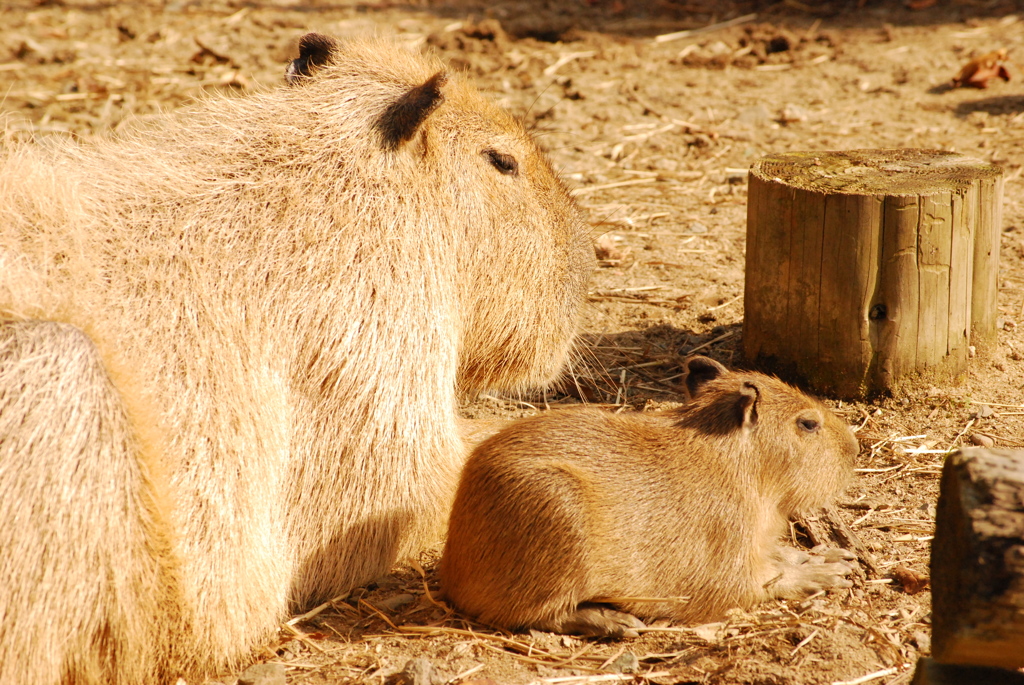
[
  {"x": 579, "y": 521},
  {"x": 232, "y": 347}
]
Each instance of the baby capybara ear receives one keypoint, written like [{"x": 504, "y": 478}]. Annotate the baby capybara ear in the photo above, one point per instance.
[
  {"x": 315, "y": 50},
  {"x": 725, "y": 409},
  {"x": 746, "y": 405},
  {"x": 403, "y": 117},
  {"x": 699, "y": 370}
]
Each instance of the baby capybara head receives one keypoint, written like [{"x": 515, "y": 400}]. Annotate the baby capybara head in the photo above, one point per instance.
[{"x": 796, "y": 446}]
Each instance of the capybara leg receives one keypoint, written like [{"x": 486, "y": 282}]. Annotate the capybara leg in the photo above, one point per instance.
[
  {"x": 799, "y": 574},
  {"x": 594, "y": 620},
  {"x": 82, "y": 573}
]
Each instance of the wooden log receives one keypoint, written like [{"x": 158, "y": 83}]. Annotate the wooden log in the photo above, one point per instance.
[
  {"x": 828, "y": 528},
  {"x": 866, "y": 269},
  {"x": 977, "y": 560},
  {"x": 931, "y": 672}
]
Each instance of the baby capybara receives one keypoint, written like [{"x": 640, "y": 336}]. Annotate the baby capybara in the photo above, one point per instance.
[{"x": 580, "y": 521}]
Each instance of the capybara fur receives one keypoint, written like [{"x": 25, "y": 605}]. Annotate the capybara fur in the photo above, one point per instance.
[
  {"x": 232, "y": 347},
  {"x": 581, "y": 521}
]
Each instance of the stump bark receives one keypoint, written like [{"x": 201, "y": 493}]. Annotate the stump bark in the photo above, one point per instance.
[
  {"x": 868, "y": 268},
  {"x": 931, "y": 672},
  {"x": 977, "y": 561}
]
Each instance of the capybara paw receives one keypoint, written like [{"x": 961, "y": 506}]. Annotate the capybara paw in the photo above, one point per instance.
[
  {"x": 801, "y": 574},
  {"x": 595, "y": 620},
  {"x": 832, "y": 555}
]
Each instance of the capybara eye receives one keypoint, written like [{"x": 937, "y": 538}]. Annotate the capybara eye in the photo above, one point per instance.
[
  {"x": 506, "y": 164},
  {"x": 808, "y": 425}
]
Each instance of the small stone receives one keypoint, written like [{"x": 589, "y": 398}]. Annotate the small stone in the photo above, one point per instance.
[
  {"x": 397, "y": 602},
  {"x": 625, "y": 663},
  {"x": 792, "y": 114},
  {"x": 263, "y": 674},
  {"x": 984, "y": 411},
  {"x": 923, "y": 641},
  {"x": 417, "y": 671},
  {"x": 758, "y": 115},
  {"x": 290, "y": 649},
  {"x": 734, "y": 176},
  {"x": 698, "y": 227},
  {"x": 982, "y": 440},
  {"x": 972, "y": 351},
  {"x": 718, "y": 48},
  {"x": 386, "y": 582},
  {"x": 877, "y": 412},
  {"x": 462, "y": 650}
]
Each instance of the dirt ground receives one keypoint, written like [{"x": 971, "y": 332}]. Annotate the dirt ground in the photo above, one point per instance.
[{"x": 656, "y": 138}]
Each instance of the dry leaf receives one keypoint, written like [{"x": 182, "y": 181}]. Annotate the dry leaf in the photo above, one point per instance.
[
  {"x": 912, "y": 581},
  {"x": 978, "y": 72},
  {"x": 606, "y": 249},
  {"x": 708, "y": 632}
]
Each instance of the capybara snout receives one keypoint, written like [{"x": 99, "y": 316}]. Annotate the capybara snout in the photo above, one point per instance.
[{"x": 559, "y": 514}]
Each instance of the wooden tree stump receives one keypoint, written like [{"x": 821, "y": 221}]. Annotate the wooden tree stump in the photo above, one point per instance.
[
  {"x": 870, "y": 267},
  {"x": 977, "y": 563},
  {"x": 931, "y": 672}
]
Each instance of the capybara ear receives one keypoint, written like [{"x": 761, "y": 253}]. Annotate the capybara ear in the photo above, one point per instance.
[
  {"x": 403, "y": 117},
  {"x": 315, "y": 50},
  {"x": 700, "y": 370},
  {"x": 746, "y": 405}
]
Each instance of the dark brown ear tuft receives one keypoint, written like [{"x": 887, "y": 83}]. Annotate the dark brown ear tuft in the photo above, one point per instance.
[
  {"x": 746, "y": 405},
  {"x": 315, "y": 50},
  {"x": 403, "y": 117},
  {"x": 700, "y": 370}
]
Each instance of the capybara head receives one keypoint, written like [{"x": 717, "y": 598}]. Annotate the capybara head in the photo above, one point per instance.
[
  {"x": 798, "y": 446},
  {"x": 479, "y": 187}
]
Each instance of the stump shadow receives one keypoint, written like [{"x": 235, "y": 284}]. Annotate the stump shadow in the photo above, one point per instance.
[{"x": 999, "y": 104}]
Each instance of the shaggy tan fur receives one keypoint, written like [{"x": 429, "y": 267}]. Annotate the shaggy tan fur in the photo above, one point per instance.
[
  {"x": 559, "y": 511},
  {"x": 231, "y": 351}
]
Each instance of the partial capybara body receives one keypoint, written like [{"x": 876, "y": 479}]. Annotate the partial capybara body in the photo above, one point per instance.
[
  {"x": 232, "y": 347},
  {"x": 560, "y": 519}
]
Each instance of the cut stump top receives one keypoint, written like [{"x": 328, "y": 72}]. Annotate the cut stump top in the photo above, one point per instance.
[{"x": 875, "y": 172}]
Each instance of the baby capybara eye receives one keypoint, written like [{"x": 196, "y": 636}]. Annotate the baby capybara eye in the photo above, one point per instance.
[{"x": 506, "y": 164}]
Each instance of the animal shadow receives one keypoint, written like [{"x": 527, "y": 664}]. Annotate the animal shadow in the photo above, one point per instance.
[{"x": 611, "y": 367}]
